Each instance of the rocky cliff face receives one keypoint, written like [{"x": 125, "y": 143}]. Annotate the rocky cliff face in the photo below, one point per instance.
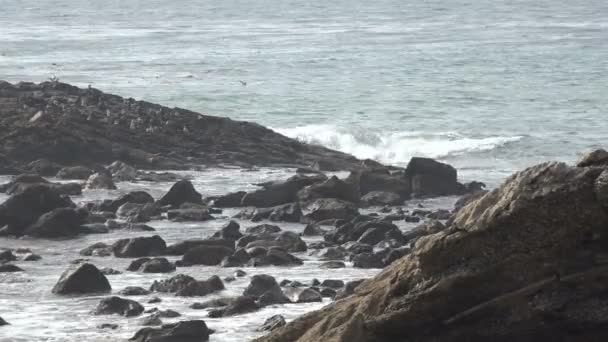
[
  {"x": 73, "y": 126},
  {"x": 525, "y": 262}
]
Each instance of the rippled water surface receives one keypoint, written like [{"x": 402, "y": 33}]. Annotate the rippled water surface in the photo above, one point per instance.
[{"x": 490, "y": 86}]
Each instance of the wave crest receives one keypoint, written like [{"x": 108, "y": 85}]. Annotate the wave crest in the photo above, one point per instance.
[{"x": 396, "y": 147}]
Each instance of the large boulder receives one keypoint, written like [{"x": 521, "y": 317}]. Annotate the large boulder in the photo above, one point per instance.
[
  {"x": 119, "y": 306},
  {"x": 173, "y": 284},
  {"x": 139, "y": 247},
  {"x": 231, "y": 200},
  {"x": 277, "y": 193},
  {"x": 379, "y": 179},
  {"x": 328, "y": 209},
  {"x": 230, "y": 230},
  {"x": 597, "y": 157},
  {"x": 74, "y": 172},
  {"x": 100, "y": 180},
  {"x": 206, "y": 255},
  {"x": 60, "y": 222},
  {"x": 519, "y": 263},
  {"x": 137, "y": 197},
  {"x": 122, "y": 172},
  {"x": 82, "y": 279},
  {"x": 22, "y": 209},
  {"x": 180, "y": 193},
  {"x": 185, "y": 331},
  {"x": 381, "y": 198},
  {"x": 201, "y": 288},
  {"x": 331, "y": 188},
  {"x": 432, "y": 178}
]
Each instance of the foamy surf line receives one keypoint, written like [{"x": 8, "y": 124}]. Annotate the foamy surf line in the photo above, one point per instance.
[{"x": 396, "y": 147}]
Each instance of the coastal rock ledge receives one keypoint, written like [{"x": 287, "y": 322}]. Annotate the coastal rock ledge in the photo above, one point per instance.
[
  {"x": 66, "y": 125},
  {"x": 525, "y": 262}
]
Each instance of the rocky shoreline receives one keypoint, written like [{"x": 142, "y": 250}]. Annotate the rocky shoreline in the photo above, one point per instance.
[
  {"x": 46, "y": 126},
  {"x": 524, "y": 261}
]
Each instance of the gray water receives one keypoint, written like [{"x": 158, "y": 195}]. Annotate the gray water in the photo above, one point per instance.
[{"x": 490, "y": 86}]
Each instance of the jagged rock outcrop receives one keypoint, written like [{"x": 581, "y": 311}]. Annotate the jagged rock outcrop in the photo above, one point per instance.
[
  {"x": 71, "y": 126},
  {"x": 525, "y": 262}
]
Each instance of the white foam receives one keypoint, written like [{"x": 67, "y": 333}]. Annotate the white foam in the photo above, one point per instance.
[{"x": 395, "y": 147}]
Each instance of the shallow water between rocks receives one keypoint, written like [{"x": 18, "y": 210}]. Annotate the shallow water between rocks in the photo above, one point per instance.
[{"x": 35, "y": 314}]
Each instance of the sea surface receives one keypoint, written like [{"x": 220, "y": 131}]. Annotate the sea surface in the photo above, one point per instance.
[{"x": 488, "y": 86}]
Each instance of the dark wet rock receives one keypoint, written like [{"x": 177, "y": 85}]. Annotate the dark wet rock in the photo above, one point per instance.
[
  {"x": 119, "y": 306},
  {"x": 109, "y": 271},
  {"x": 152, "y": 320},
  {"x": 327, "y": 208},
  {"x": 82, "y": 279},
  {"x": 133, "y": 291},
  {"x": 280, "y": 192},
  {"x": 231, "y": 200},
  {"x": 309, "y": 296},
  {"x": 260, "y": 284},
  {"x": 31, "y": 257},
  {"x": 368, "y": 260},
  {"x": 100, "y": 180},
  {"x": 43, "y": 167},
  {"x": 331, "y": 188},
  {"x": 173, "y": 284},
  {"x": 6, "y": 256},
  {"x": 74, "y": 172},
  {"x": 185, "y": 331},
  {"x": 206, "y": 255},
  {"x": 94, "y": 228},
  {"x": 332, "y": 265},
  {"x": 331, "y": 253},
  {"x": 168, "y": 313},
  {"x": 333, "y": 283},
  {"x": 157, "y": 265},
  {"x": 239, "y": 305},
  {"x": 313, "y": 229},
  {"x": 275, "y": 257},
  {"x": 381, "y": 198},
  {"x": 108, "y": 326},
  {"x": 290, "y": 212},
  {"x": 230, "y": 230},
  {"x": 372, "y": 231},
  {"x": 412, "y": 219},
  {"x": 212, "y": 303},
  {"x": 180, "y": 193},
  {"x": 182, "y": 247},
  {"x": 137, "y": 197},
  {"x": 24, "y": 181},
  {"x": 189, "y": 215},
  {"x": 98, "y": 249},
  {"x": 154, "y": 300},
  {"x": 60, "y": 222},
  {"x": 328, "y": 292},
  {"x": 597, "y": 157},
  {"x": 9, "y": 268},
  {"x": 263, "y": 229},
  {"x": 319, "y": 245},
  {"x": 201, "y": 288},
  {"x": 431, "y": 178},
  {"x": 379, "y": 179},
  {"x": 355, "y": 247},
  {"x": 272, "y": 323},
  {"x": 23, "y": 209},
  {"x": 139, "y": 247},
  {"x": 122, "y": 172},
  {"x": 288, "y": 241},
  {"x": 138, "y": 212}
]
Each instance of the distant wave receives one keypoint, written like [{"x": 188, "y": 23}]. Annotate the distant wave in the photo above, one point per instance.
[{"x": 395, "y": 148}]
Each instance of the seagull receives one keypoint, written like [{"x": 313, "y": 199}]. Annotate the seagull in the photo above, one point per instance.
[{"x": 243, "y": 83}]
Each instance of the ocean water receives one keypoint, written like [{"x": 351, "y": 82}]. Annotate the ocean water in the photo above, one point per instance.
[{"x": 488, "y": 86}]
